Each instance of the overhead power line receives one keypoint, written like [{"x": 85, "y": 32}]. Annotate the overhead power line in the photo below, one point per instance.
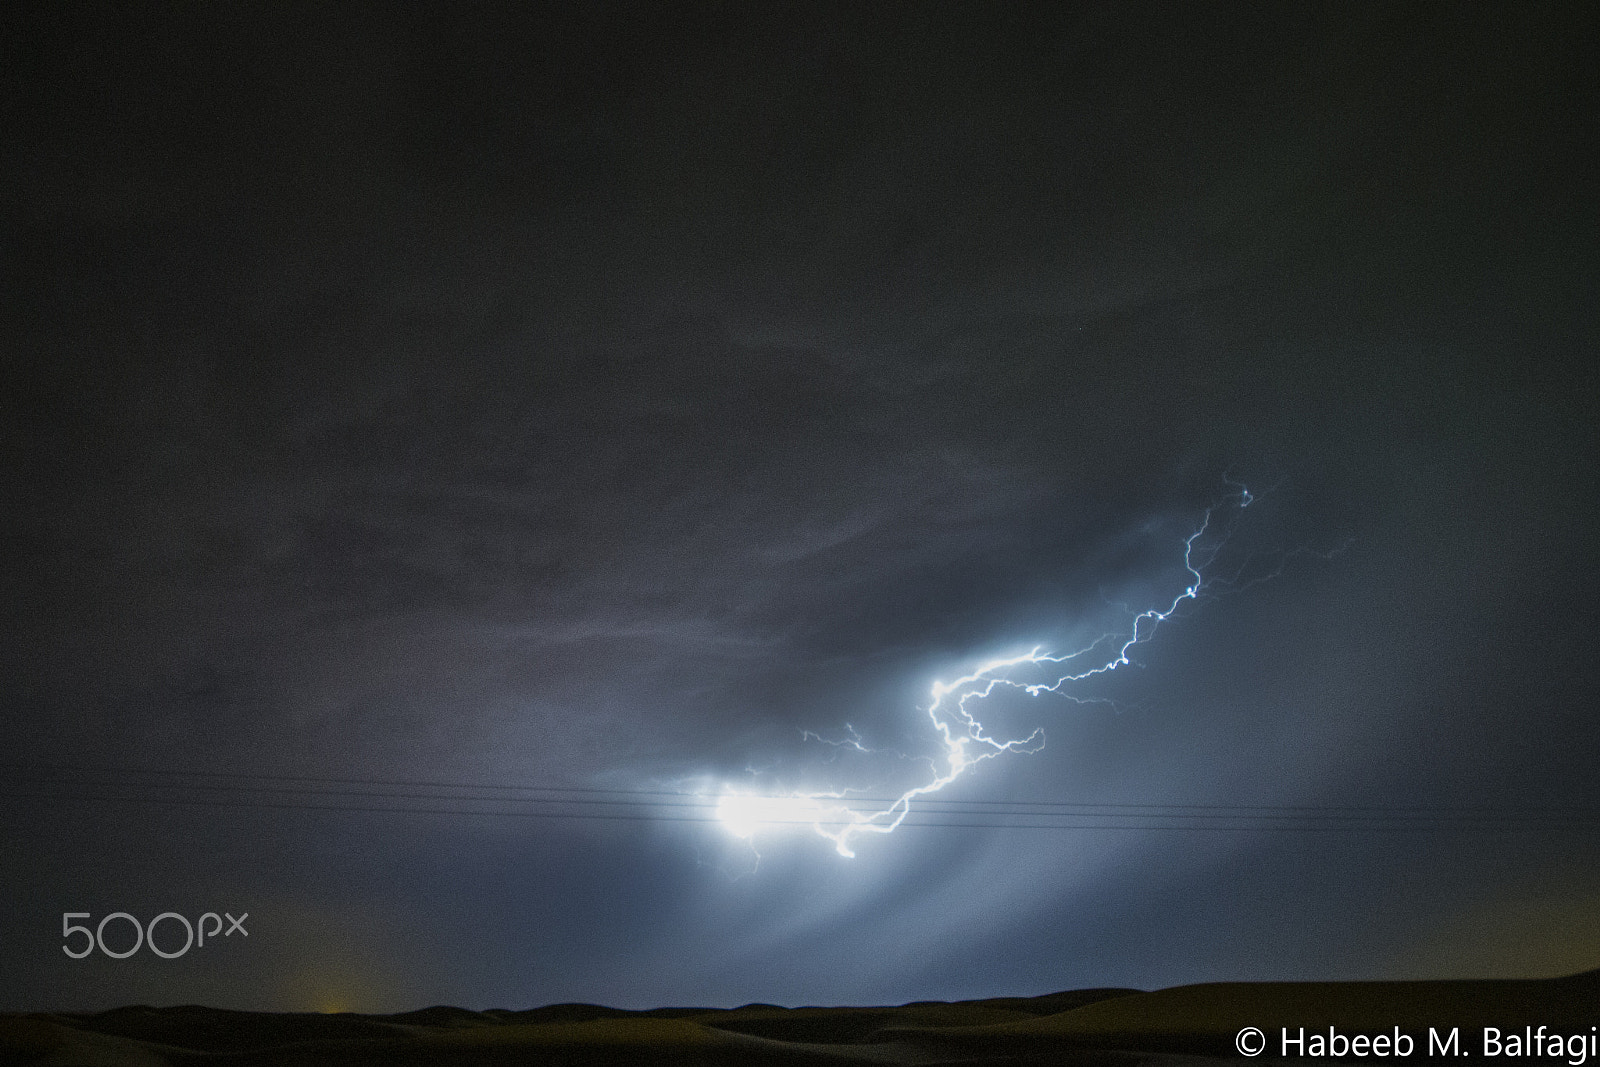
[
  {"x": 221, "y": 789},
  {"x": 1172, "y": 822},
  {"x": 77, "y": 774}
]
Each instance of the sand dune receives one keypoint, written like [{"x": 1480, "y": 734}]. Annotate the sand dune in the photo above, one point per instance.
[{"x": 1091, "y": 1028}]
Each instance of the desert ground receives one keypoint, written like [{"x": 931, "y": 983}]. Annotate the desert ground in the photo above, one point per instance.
[{"x": 1191, "y": 1023}]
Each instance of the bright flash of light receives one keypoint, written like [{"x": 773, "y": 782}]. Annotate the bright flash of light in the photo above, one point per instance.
[
  {"x": 962, "y": 737},
  {"x": 745, "y": 813}
]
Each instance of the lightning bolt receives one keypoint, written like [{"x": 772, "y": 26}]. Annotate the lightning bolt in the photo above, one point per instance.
[{"x": 963, "y": 738}]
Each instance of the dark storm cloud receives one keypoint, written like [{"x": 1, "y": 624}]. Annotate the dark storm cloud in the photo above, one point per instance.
[{"x": 606, "y": 396}]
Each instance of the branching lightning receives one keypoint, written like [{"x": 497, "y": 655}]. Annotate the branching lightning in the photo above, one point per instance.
[{"x": 962, "y": 737}]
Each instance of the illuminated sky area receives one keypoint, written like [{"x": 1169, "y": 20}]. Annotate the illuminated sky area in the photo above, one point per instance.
[{"x": 650, "y": 411}]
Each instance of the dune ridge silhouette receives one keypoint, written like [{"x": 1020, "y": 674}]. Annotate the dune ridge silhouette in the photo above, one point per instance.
[{"x": 1110, "y": 1026}]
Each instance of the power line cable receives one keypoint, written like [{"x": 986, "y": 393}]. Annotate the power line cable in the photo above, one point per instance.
[
  {"x": 593, "y": 795},
  {"x": 1251, "y": 823}
]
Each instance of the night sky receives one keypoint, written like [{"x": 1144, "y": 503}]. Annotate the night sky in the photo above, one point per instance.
[{"x": 598, "y": 398}]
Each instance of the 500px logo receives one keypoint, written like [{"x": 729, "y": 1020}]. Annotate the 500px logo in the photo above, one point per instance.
[{"x": 146, "y": 935}]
